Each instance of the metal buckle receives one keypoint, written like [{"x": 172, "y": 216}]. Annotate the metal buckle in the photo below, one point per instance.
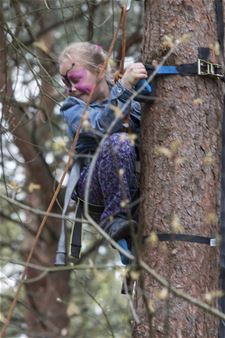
[
  {"x": 128, "y": 4},
  {"x": 207, "y": 68},
  {"x": 213, "y": 242}
]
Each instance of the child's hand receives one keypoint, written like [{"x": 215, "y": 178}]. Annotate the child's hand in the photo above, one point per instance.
[{"x": 133, "y": 74}]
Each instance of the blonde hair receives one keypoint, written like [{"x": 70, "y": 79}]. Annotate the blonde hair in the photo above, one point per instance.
[{"x": 90, "y": 55}]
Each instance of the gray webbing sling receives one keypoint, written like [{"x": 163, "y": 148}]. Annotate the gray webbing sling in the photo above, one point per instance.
[{"x": 61, "y": 252}]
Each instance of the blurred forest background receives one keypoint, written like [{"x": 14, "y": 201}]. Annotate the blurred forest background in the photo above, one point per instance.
[{"x": 78, "y": 302}]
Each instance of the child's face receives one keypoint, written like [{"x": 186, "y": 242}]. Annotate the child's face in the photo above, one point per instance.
[{"x": 79, "y": 80}]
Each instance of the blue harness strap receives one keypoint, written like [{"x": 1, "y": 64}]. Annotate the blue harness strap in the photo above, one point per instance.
[{"x": 168, "y": 70}]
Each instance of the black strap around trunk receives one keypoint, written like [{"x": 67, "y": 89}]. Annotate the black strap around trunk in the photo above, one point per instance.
[{"x": 165, "y": 237}]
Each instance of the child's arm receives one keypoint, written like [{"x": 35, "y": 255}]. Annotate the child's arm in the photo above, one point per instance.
[
  {"x": 101, "y": 117},
  {"x": 122, "y": 91}
]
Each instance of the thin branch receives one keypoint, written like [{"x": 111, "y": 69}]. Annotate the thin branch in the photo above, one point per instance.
[
  {"x": 92, "y": 7},
  {"x": 63, "y": 268},
  {"x": 36, "y": 211},
  {"x": 103, "y": 311},
  {"x": 62, "y": 22}
]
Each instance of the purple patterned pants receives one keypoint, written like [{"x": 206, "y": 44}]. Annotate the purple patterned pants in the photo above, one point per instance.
[{"x": 117, "y": 155}]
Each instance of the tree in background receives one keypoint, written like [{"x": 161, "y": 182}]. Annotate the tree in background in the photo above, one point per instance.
[{"x": 180, "y": 173}]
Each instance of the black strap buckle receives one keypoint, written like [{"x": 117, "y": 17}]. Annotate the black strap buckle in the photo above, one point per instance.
[{"x": 207, "y": 68}]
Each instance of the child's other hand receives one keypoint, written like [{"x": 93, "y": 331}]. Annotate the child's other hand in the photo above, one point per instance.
[{"x": 133, "y": 74}]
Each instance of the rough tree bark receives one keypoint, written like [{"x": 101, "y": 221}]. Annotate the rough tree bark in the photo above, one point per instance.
[{"x": 182, "y": 186}]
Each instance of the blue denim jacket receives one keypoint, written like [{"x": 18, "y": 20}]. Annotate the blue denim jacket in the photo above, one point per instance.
[{"x": 101, "y": 115}]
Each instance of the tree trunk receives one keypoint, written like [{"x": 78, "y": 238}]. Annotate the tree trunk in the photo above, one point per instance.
[{"x": 181, "y": 147}]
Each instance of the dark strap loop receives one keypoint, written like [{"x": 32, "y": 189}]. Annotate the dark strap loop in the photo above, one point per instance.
[
  {"x": 164, "y": 237},
  {"x": 76, "y": 234}
]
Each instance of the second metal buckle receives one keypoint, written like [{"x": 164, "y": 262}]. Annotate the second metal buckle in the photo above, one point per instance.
[{"x": 210, "y": 69}]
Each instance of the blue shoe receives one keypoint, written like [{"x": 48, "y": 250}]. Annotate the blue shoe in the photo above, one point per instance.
[{"x": 124, "y": 244}]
